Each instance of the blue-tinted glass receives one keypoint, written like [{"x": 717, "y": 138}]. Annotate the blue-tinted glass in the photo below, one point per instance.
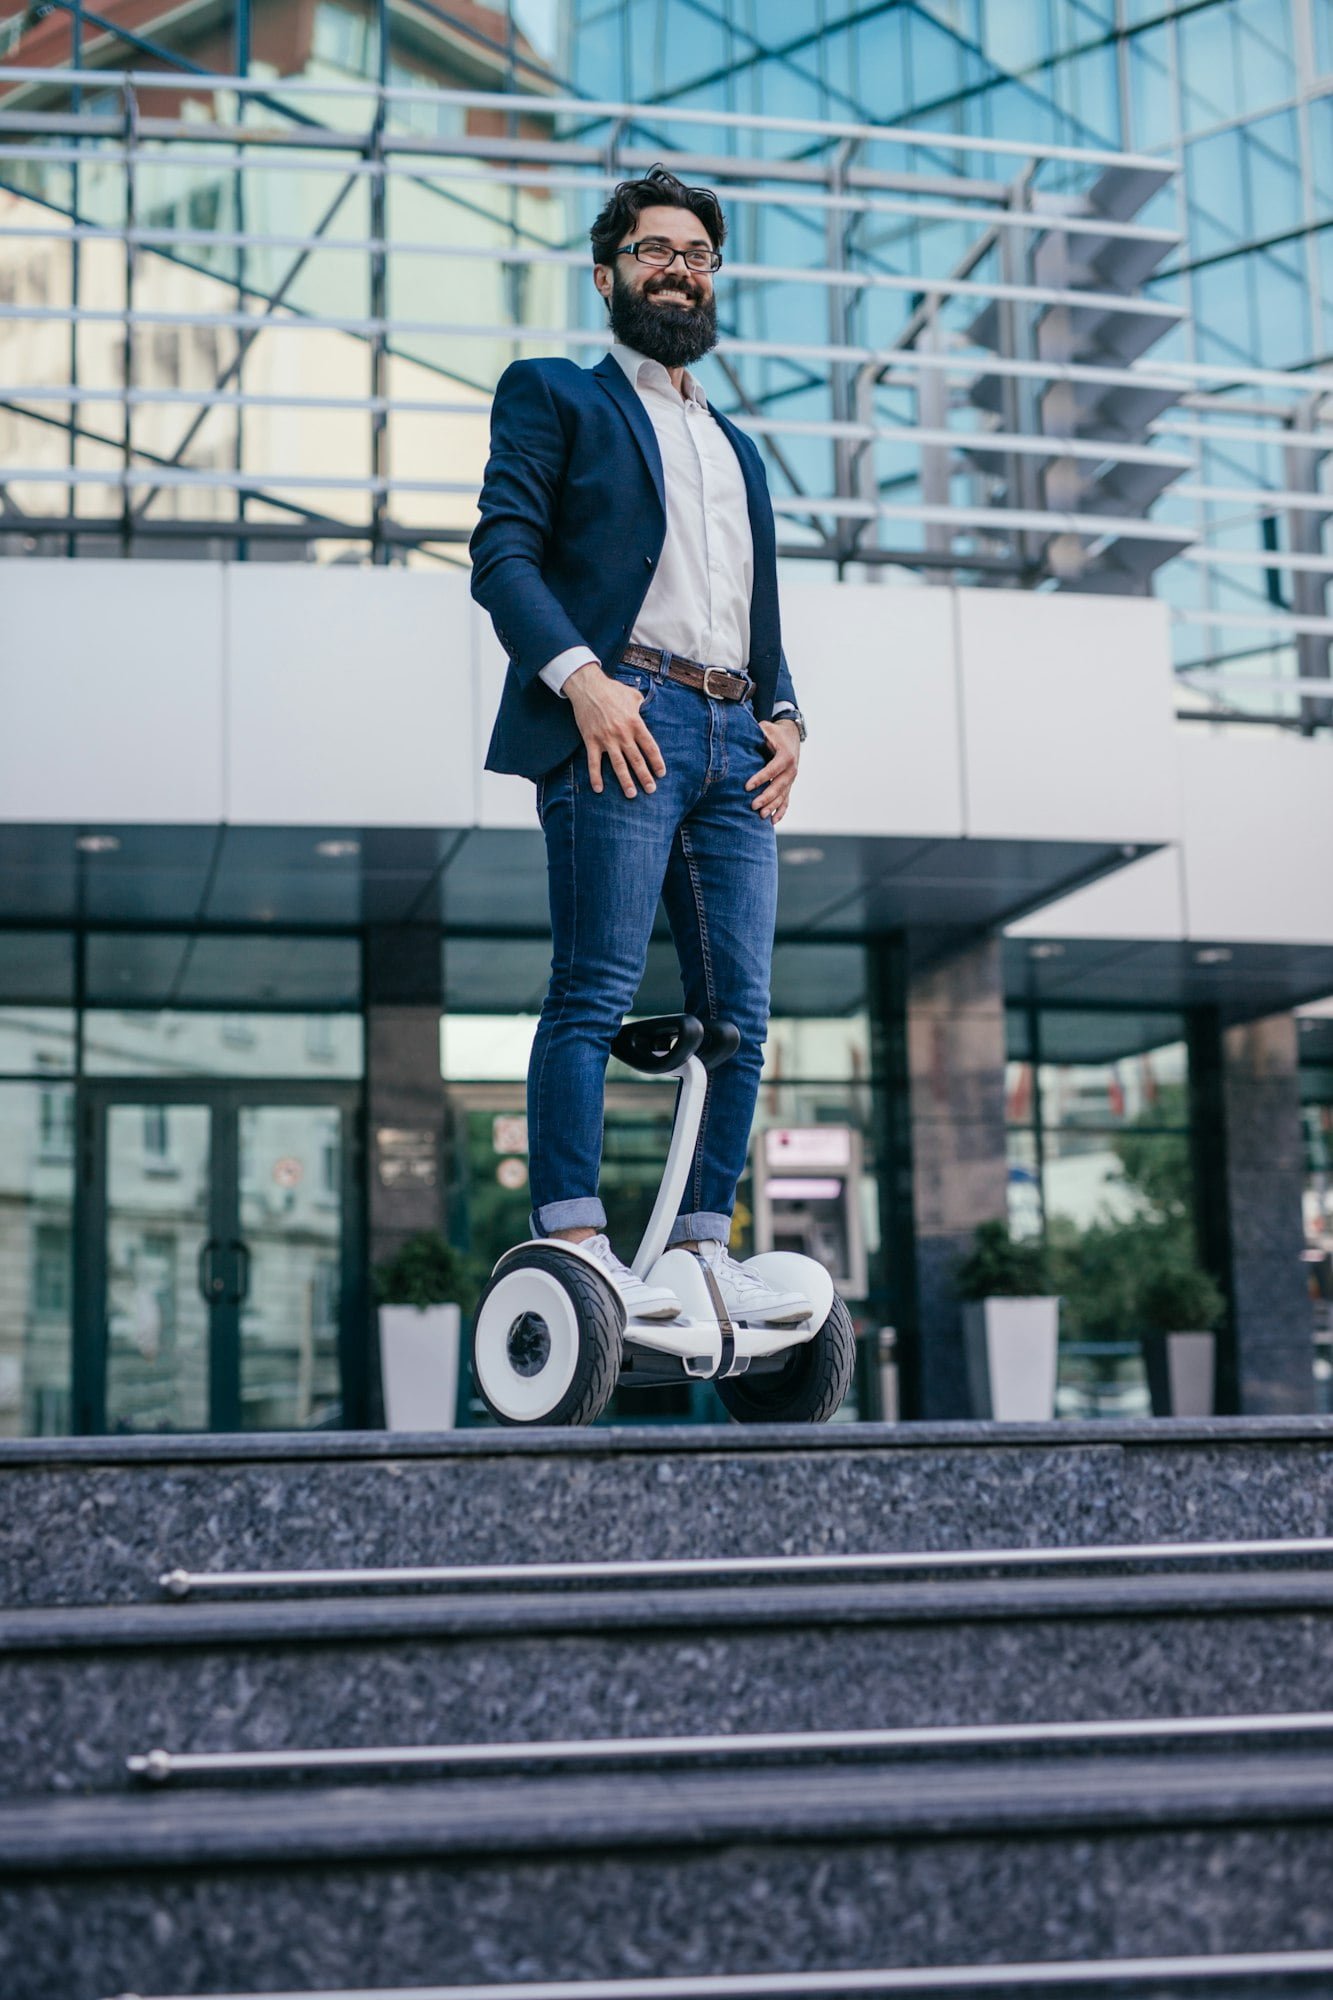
[
  {"x": 598, "y": 61},
  {"x": 1207, "y": 67},
  {"x": 934, "y": 58},
  {"x": 1152, "y": 111},
  {"x": 1324, "y": 250},
  {"x": 1265, "y": 69},
  {"x": 1270, "y": 148},
  {"x": 1014, "y": 111},
  {"x": 1087, "y": 87},
  {"x": 1017, "y": 38},
  {"x": 796, "y": 20},
  {"x": 1215, "y": 185},
  {"x": 1321, "y": 154},
  {"x": 1283, "y": 308},
  {"x": 883, "y": 90},
  {"x": 1322, "y": 13},
  {"x": 1222, "y": 311},
  {"x": 689, "y": 44}
]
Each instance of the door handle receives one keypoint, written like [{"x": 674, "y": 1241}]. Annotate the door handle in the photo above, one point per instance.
[
  {"x": 241, "y": 1251},
  {"x": 212, "y": 1285}
]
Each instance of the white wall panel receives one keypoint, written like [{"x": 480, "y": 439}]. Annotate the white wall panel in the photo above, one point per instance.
[
  {"x": 349, "y": 697},
  {"x": 111, "y": 691},
  {"x": 1144, "y": 899},
  {"x": 873, "y": 669},
  {"x": 1258, "y": 836},
  {"x": 1068, "y": 717}
]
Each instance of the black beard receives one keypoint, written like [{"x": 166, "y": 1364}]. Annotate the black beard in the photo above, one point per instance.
[{"x": 674, "y": 335}]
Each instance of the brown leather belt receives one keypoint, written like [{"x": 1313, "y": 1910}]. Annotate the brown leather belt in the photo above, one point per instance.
[{"x": 719, "y": 682}]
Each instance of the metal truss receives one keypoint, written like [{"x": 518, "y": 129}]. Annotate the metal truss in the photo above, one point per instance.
[{"x": 1012, "y": 428}]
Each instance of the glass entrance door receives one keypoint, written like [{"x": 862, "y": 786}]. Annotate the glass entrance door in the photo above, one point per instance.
[{"x": 221, "y": 1290}]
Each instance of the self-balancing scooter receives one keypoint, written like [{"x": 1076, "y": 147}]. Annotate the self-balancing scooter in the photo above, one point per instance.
[{"x": 551, "y": 1338}]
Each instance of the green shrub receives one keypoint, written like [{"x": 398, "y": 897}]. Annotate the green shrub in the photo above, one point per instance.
[
  {"x": 427, "y": 1270},
  {"x": 1002, "y": 1266},
  {"x": 1120, "y": 1277},
  {"x": 1178, "y": 1296}
]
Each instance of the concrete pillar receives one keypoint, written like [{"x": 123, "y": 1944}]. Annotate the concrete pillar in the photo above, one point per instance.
[
  {"x": 404, "y": 1090},
  {"x": 1264, "y": 1166},
  {"x": 955, "y": 1057}
]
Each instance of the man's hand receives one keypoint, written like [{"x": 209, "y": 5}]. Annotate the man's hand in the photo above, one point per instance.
[
  {"x": 607, "y": 714},
  {"x": 778, "y": 774}
]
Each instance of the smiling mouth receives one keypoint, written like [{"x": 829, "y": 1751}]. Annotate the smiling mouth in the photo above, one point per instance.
[{"x": 674, "y": 295}]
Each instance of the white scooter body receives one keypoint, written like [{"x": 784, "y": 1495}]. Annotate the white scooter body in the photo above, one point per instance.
[{"x": 705, "y": 1348}]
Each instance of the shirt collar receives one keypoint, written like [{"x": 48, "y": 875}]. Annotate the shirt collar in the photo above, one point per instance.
[{"x": 642, "y": 370}]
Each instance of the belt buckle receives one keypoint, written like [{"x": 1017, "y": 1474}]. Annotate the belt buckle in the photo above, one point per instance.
[{"x": 726, "y": 674}]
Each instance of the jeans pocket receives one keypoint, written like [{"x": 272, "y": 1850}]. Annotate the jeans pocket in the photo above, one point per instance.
[{"x": 637, "y": 678}]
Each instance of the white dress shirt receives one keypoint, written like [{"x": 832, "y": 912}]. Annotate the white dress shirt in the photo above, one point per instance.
[{"x": 698, "y": 603}]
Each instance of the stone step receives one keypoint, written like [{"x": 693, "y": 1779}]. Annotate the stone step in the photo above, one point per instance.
[
  {"x": 99, "y": 1520},
  {"x": 720, "y": 1870},
  {"x": 87, "y": 1688}
]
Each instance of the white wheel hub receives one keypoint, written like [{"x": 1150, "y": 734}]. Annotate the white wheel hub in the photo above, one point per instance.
[{"x": 526, "y": 1345}]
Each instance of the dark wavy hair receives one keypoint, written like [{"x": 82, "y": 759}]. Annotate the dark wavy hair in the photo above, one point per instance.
[{"x": 659, "y": 188}]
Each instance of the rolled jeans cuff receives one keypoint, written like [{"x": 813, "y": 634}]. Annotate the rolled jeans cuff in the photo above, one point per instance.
[
  {"x": 585, "y": 1213},
  {"x": 699, "y": 1228}
]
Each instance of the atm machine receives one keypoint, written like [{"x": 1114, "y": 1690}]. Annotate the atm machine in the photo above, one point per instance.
[{"x": 807, "y": 1182}]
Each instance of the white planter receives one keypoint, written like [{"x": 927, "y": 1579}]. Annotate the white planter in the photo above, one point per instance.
[
  {"x": 1191, "y": 1362},
  {"x": 419, "y": 1366},
  {"x": 1182, "y": 1373},
  {"x": 1011, "y": 1358}
]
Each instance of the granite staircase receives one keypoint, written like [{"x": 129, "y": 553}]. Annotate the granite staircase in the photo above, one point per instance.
[{"x": 670, "y": 1715}]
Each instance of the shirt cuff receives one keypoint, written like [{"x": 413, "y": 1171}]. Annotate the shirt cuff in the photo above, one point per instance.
[
  {"x": 782, "y": 708},
  {"x": 557, "y": 671}
]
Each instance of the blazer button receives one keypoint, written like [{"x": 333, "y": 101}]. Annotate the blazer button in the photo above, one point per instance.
[{"x": 648, "y": 562}]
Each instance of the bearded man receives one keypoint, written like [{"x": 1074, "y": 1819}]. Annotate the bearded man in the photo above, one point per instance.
[{"x": 626, "y": 555}]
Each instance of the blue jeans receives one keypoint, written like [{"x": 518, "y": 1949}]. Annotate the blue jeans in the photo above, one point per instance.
[{"x": 699, "y": 844}]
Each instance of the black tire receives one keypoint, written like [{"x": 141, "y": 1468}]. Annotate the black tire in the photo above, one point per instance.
[
  {"x": 808, "y": 1388},
  {"x": 601, "y": 1328}
]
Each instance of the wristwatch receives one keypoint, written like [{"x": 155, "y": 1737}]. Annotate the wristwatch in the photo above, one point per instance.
[{"x": 793, "y": 715}]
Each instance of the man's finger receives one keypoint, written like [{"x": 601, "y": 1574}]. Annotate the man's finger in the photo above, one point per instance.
[
  {"x": 621, "y": 769},
  {"x": 595, "y": 767},
  {"x": 767, "y": 772},
  {"x": 648, "y": 744},
  {"x": 640, "y": 769}
]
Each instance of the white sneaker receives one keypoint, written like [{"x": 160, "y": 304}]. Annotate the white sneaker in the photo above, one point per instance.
[
  {"x": 747, "y": 1297},
  {"x": 641, "y": 1301}
]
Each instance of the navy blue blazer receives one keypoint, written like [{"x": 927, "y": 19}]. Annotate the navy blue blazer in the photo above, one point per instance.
[{"x": 573, "y": 517}]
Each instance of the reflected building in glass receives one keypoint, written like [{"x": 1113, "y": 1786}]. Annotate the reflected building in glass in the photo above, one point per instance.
[{"x": 1026, "y": 308}]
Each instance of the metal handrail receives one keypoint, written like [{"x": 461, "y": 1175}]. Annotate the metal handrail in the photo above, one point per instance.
[
  {"x": 160, "y": 1766},
  {"x": 1029, "y": 1976},
  {"x": 181, "y": 1583},
  {"x": 584, "y": 107}
]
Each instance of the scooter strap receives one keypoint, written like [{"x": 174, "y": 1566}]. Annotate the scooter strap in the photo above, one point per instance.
[{"x": 724, "y": 1322}]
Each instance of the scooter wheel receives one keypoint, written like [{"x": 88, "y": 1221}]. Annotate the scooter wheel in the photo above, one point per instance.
[
  {"x": 810, "y": 1385},
  {"x": 547, "y": 1337}
]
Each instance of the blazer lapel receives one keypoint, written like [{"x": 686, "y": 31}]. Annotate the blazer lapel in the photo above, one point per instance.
[{"x": 617, "y": 385}]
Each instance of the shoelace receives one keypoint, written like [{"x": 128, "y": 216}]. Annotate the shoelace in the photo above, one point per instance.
[
  {"x": 599, "y": 1246},
  {"x": 725, "y": 1267}
]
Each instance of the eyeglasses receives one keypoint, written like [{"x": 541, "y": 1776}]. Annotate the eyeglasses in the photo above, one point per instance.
[{"x": 652, "y": 250}]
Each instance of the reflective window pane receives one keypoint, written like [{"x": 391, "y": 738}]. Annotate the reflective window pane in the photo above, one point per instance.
[
  {"x": 157, "y": 1330},
  {"x": 235, "y": 1045},
  {"x": 36, "y": 1257},
  {"x": 291, "y": 1162}
]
